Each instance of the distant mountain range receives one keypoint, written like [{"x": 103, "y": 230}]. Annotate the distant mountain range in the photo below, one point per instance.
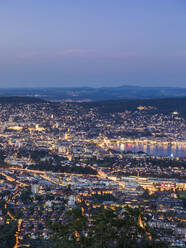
[{"x": 96, "y": 94}]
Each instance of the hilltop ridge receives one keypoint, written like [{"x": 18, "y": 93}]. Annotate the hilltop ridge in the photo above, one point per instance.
[{"x": 163, "y": 105}]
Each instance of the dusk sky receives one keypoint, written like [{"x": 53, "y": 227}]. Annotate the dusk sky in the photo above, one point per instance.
[{"x": 92, "y": 43}]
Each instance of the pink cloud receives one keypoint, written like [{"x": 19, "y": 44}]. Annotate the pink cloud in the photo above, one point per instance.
[
  {"x": 34, "y": 54},
  {"x": 121, "y": 55},
  {"x": 76, "y": 53},
  {"x": 180, "y": 53},
  {"x": 65, "y": 53}
]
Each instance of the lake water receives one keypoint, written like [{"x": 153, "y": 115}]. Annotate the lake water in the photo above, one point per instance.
[{"x": 178, "y": 150}]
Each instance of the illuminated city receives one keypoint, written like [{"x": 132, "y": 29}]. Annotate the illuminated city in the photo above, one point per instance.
[
  {"x": 59, "y": 156},
  {"x": 92, "y": 124}
]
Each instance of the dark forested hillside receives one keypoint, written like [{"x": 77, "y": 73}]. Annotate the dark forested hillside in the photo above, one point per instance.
[
  {"x": 166, "y": 105},
  {"x": 18, "y": 99}
]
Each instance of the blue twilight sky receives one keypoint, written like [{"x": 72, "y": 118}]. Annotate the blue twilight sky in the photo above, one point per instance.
[{"x": 92, "y": 43}]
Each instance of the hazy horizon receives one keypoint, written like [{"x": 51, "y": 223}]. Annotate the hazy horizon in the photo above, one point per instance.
[{"x": 89, "y": 86}]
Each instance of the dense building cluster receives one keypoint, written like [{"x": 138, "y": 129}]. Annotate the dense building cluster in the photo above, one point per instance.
[{"x": 60, "y": 156}]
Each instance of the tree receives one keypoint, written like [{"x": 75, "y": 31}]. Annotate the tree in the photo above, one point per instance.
[
  {"x": 118, "y": 228},
  {"x": 7, "y": 235},
  {"x": 73, "y": 232}
]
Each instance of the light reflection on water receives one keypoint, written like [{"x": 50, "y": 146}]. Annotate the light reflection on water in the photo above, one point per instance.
[{"x": 178, "y": 150}]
